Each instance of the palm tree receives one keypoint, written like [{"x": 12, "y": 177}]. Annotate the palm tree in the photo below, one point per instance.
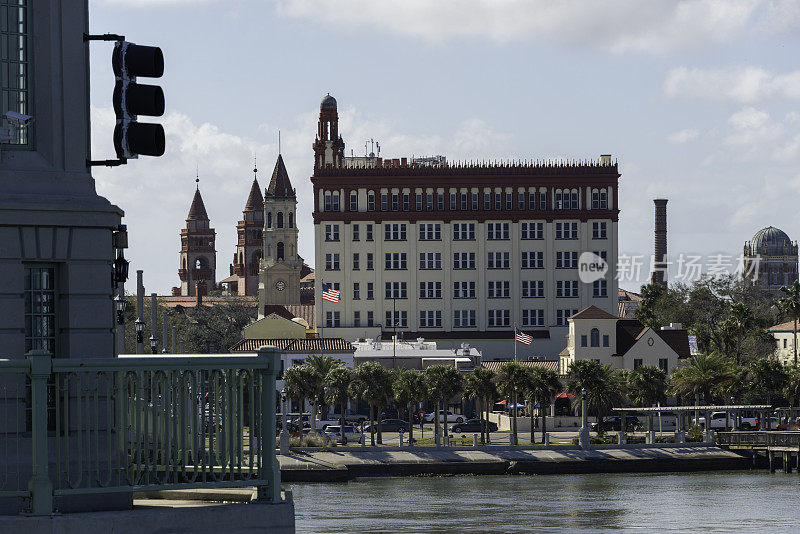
[
  {"x": 790, "y": 305},
  {"x": 703, "y": 374},
  {"x": 767, "y": 377},
  {"x": 443, "y": 382},
  {"x": 337, "y": 389},
  {"x": 407, "y": 387},
  {"x": 322, "y": 365},
  {"x": 738, "y": 323},
  {"x": 513, "y": 377},
  {"x": 371, "y": 383},
  {"x": 480, "y": 385},
  {"x": 792, "y": 387},
  {"x": 301, "y": 382},
  {"x": 543, "y": 385},
  {"x": 647, "y": 385},
  {"x": 604, "y": 388}
]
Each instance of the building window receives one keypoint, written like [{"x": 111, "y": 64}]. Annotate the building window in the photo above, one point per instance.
[
  {"x": 584, "y": 340},
  {"x": 430, "y": 290},
  {"x": 463, "y": 231},
  {"x": 370, "y": 261},
  {"x": 600, "y": 288},
  {"x": 430, "y": 260},
  {"x": 280, "y": 219},
  {"x": 331, "y": 230},
  {"x": 499, "y": 289},
  {"x": 370, "y": 291},
  {"x": 396, "y": 290},
  {"x": 564, "y": 314},
  {"x": 370, "y": 201},
  {"x": 400, "y": 319},
  {"x": 497, "y": 231},
  {"x": 605, "y": 340},
  {"x": 464, "y": 201},
  {"x": 499, "y": 318},
  {"x": 395, "y": 202},
  {"x": 499, "y": 260},
  {"x": 532, "y": 230},
  {"x": 353, "y": 201},
  {"x": 384, "y": 202},
  {"x": 356, "y": 291},
  {"x": 463, "y": 260},
  {"x": 369, "y": 232},
  {"x": 453, "y": 205},
  {"x": 370, "y": 318},
  {"x": 532, "y": 201},
  {"x": 474, "y": 201},
  {"x": 331, "y": 262},
  {"x": 418, "y": 203},
  {"x": 430, "y": 232},
  {"x": 16, "y": 67},
  {"x": 406, "y": 202},
  {"x": 440, "y": 201},
  {"x": 396, "y": 261},
  {"x": 566, "y": 288},
  {"x": 543, "y": 200},
  {"x": 533, "y": 317},
  {"x": 356, "y": 233},
  {"x": 356, "y": 262},
  {"x": 394, "y": 232},
  {"x": 333, "y": 319},
  {"x": 533, "y": 289},
  {"x": 566, "y": 230},
  {"x": 521, "y": 200},
  {"x": 637, "y": 362},
  {"x": 532, "y": 260},
  {"x": 509, "y": 201},
  {"x": 599, "y": 199},
  {"x": 40, "y": 308},
  {"x": 498, "y": 201},
  {"x": 356, "y": 318},
  {"x": 280, "y": 252},
  {"x": 567, "y": 260},
  {"x": 487, "y": 201},
  {"x": 594, "y": 337},
  {"x": 663, "y": 365},
  {"x": 429, "y": 201},
  {"x": 430, "y": 319},
  {"x": 464, "y": 290},
  {"x": 599, "y": 230},
  {"x": 463, "y": 318}
]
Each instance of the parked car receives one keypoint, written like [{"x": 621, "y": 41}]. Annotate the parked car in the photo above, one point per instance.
[
  {"x": 351, "y": 435},
  {"x": 787, "y": 424},
  {"x": 720, "y": 420},
  {"x": 473, "y": 425},
  {"x": 614, "y": 423},
  {"x": 450, "y": 417},
  {"x": 389, "y": 425}
]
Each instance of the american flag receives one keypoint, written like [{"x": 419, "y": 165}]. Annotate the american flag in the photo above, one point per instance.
[
  {"x": 522, "y": 337},
  {"x": 329, "y": 294}
]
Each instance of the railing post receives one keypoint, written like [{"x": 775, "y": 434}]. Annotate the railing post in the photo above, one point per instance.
[
  {"x": 269, "y": 469},
  {"x": 39, "y": 485}
]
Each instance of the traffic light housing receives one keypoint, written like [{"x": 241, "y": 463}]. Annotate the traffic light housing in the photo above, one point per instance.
[{"x": 131, "y": 99}]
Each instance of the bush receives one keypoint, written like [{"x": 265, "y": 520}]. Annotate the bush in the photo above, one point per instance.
[
  {"x": 695, "y": 433},
  {"x": 305, "y": 441}
]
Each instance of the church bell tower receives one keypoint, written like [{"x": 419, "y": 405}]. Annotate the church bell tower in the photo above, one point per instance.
[
  {"x": 328, "y": 146},
  {"x": 198, "y": 263}
]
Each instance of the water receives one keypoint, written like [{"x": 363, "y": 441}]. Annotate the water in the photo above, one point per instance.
[{"x": 709, "y": 502}]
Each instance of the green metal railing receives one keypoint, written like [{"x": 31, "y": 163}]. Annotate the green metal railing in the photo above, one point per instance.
[{"x": 137, "y": 423}]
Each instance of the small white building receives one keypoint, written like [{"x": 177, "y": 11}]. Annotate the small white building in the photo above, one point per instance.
[
  {"x": 784, "y": 342},
  {"x": 595, "y": 334},
  {"x": 418, "y": 354}
]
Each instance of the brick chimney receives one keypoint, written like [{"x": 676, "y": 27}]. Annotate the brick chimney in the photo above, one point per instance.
[{"x": 659, "y": 274}]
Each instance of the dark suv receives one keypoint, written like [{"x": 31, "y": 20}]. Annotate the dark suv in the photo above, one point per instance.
[{"x": 614, "y": 423}]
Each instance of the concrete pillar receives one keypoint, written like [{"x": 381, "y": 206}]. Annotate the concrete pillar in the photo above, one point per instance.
[
  {"x": 708, "y": 433},
  {"x": 651, "y": 437},
  {"x": 771, "y": 458},
  {"x": 680, "y": 436},
  {"x": 401, "y": 439},
  {"x": 787, "y": 462},
  {"x": 547, "y": 441},
  {"x": 621, "y": 437},
  {"x": 583, "y": 435},
  {"x": 474, "y": 440}
]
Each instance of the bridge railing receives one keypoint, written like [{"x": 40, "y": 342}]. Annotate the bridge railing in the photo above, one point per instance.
[
  {"x": 758, "y": 439},
  {"x": 137, "y": 423}
]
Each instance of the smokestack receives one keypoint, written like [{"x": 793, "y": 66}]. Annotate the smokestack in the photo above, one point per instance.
[{"x": 659, "y": 274}]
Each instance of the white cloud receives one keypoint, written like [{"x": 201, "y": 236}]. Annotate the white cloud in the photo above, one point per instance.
[
  {"x": 741, "y": 84},
  {"x": 753, "y": 135},
  {"x": 616, "y": 26},
  {"x": 156, "y": 192},
  {"x": 683, "y": 136}
]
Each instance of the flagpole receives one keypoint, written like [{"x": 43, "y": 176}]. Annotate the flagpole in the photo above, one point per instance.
[
  {"x": 515, "y": 342},
  {"x": 322, "y": 323}
]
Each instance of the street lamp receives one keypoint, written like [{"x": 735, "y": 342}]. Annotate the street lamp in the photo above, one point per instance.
[
  {"x": 139, "y": 326},
  {"x": 120, "y": 305},
  {"x": 154, "y": 344}
]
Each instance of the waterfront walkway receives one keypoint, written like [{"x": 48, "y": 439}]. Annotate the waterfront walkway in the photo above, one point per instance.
[{"x": 340, "y": 464}]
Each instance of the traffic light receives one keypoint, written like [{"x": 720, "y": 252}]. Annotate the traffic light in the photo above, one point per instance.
[{"x": 132, "y": 99}]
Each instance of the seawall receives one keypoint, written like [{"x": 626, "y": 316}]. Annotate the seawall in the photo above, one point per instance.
[{"x": 342, "y": 464}]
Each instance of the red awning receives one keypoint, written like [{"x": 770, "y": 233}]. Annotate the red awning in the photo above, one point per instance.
[
  {"x": 565, "y": 395},
  {"x": 503, "y": 402}
]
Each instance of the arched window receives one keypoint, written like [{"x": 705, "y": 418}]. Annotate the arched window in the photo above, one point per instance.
[
  {"x": 280, "y": 220},
  {"x": 269, "y": 220},
  {"x": 280, "y": 250},
  {"x": 291, "y": 220},
  {"x": 594, "y": 336}
]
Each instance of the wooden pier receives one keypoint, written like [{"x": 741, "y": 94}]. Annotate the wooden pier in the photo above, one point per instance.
[{"x": 785, "y": 444}]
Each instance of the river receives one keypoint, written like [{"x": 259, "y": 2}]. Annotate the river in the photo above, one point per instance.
[{"x": 743, "y": 501}]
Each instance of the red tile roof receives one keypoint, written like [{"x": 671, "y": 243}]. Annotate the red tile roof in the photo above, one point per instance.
[
  {"x": 494, "y": 365},
  {"x": 784, "y": 327},
  {"x": 198, "y": 209},
  {"x": 593, "y": 312},
  {"x": 297, "y": 346}
]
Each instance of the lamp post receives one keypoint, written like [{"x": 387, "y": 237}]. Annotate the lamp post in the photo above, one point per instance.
[
  {"x": 139, "y": 326},
  {"x": 120, "y": 305},
  {"x": 583, "y": 437},
  {"x": 284, "y": 440},
  {"x": 165, "y": 332},
  {"x": 139, "y": 313},
  {"x": 154, "y": 325}
]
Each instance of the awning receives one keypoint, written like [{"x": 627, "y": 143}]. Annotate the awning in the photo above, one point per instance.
[{"x": 565, "y": 395}]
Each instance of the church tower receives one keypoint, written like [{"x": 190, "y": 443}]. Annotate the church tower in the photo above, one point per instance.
[
  {"x": 279, "y": 279},
  {"x": 250, "y": 244},
  {"x": 198, "y": 261},
  {"x": 328, "y": 146}
]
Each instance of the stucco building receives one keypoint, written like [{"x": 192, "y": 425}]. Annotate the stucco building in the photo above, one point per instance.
[
  {"x": 459, "y": 252},
  {"x": 773, "y": 256},
  {"x": 784, "y": 341}
]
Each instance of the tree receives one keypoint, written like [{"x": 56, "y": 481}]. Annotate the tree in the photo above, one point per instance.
[
  {"x": 214, "y": 329},
  {"x": 792, "y": 387},
  {"x": 322, "y": 365},
  {"x": 604, "y": 389},
  {"x": 371, "y": 383},
  {"x": 790, "y": 306},
  {"x": 646, "y": 385},
  {"x": 337, "y": 390},
  {"x": 766, "y": 378},
  {"x": 542, "y": 386},
  {"x": 702, "y": 375},
  {"x": 480, "y": 385},
  {"x": 739, "y": 323},
  {"x": 443, "y": 382},
  {"x": 512, "y": 378},
  {"x": 407, "y": 387},
  {"x": 300, "y": 381}
]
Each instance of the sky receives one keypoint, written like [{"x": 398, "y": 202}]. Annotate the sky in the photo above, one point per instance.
[{"x": 696, "y": 99}]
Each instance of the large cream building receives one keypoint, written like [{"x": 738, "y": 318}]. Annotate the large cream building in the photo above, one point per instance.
[{"x": 459, "y": 252}]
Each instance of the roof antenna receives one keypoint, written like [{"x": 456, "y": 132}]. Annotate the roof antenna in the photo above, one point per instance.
[
  {"x": 197, "y": 176},
  {"x": 255, "y": 167},
  {"x": 279, "y": 142}
]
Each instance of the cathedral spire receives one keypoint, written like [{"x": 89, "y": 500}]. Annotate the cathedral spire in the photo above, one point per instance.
[
  {"x": 198, "y": 209},
  {"x": 280, "y": 186}
]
